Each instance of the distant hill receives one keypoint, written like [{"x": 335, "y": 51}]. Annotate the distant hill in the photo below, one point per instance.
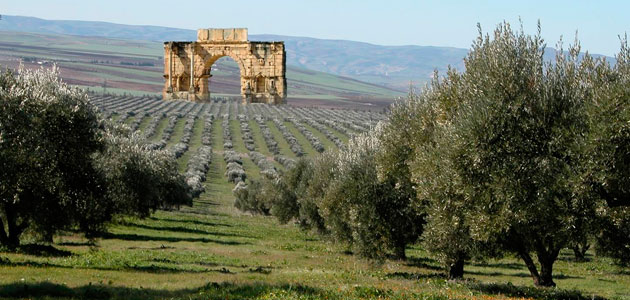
[
  {"x": 392, "y": 66},
  {"x": 92, "y": 28},
  {"x": 136, "y": 67}
]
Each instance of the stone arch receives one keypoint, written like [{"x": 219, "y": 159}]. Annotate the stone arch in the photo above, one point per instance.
[
  {"x": 206, "y": 70},
  {"x": 262, "y": 66}
]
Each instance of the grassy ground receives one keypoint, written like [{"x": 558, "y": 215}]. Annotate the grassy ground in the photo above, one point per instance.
[
  {"x": 213, "y": 251},
  {"x": 306, "y": 145},
  {"x": 178, "y": 130},
  {"x": 195, "y": 143},
  {"x": 159, "y": 130},
  {"x": 143, "y": 124},
  {"x": 328, "y": 144},
  {"x": 282, "y": 143}
]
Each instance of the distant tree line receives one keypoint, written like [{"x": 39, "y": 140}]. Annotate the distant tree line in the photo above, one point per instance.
[
  {"x": 514, "y": 155},
  {"x": 124, "y": 63},
  {"x": 64, "y": 167}
]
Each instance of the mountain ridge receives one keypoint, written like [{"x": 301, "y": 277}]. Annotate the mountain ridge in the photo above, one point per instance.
[
  {"x": 390, "y": 66},
  {"x": 393, "y": 67}
]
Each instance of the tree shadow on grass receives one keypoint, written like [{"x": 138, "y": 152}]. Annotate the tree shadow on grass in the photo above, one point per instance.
[
  {"x": 415, "y": 276},
  {"x": 184, "y": 230},
  {"x": 100, "y": 291},
  {"x": 38, "y": 250},
  {"x": 520, "y": 274},
  {"x": 77, "y": 244},
  {"x": 511, "y": 266},
  {"x": 423, "y": 262},
  {"x": 571, "y": 258},
  {"x": 508, "y": 289},
  {"x": 137, "y": 237},
  {"x": 149, "y": 268},
  {"x": 207, "y": 202},
  {"x": 196, "y": 222}
]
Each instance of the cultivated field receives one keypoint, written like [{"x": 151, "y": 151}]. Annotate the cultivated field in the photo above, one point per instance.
[
  {"x": 136, "y": 67},
  {"x": 213, "y": 251}
]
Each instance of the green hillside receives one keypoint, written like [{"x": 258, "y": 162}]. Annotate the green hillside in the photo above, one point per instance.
[
  {"x": 392, "y": 66},
  {"x": 135, "y": 67}
]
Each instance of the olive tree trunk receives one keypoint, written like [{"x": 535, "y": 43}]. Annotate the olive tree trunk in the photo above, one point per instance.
[
  {"x": 11, "y": 236},
  {"x": 546, "y": 259},
  {"x": 456, "y": 270}
]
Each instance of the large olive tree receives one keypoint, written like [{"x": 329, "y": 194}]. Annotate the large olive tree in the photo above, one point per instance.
[
  {"x": 48, "y": 133},
  {"x": 506, "y": 160},
  {"x": 61, "y": 166},
  {"x": 609, "y": 153}
]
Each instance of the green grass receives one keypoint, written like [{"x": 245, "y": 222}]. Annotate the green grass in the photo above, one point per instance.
[
  {"x": 343, "y": 137},
  {"x": 306, "y": 145},
  {"x": 283, "y": 146},
  {"x": 195, "y": 143},
  {"x": 143, "y": 124},
  {"x": 178, "y": 130},
  {"x": 159, "y": 130},
  {"x": 261, "y": 146},
  {"x": 130, "y": 120},
  {"x": 213, "y": 251},
  {"x": 251, "y": 169},
  {"x": 328, "y": 144}
]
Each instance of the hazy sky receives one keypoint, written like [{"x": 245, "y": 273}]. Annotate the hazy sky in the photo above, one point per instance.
[{"x": 386, "y": 22}]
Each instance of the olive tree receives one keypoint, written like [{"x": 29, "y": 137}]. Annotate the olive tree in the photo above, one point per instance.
[
  {"x": 519, "y": 145},
  {"x": 418, "y": 145},
  {"x": 139, "y": 180},
  {"x": 59, "y": 162},
  {"x": 48, "y": 133},
  {"x": 500, "y": 153},
  {"x": 368, "y": 205},
  {"x": 609, "y": 150}
]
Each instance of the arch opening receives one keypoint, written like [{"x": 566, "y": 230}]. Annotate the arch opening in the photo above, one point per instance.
[
  {"x": 254, "y": 70},
  {"x": 223, "y": 77}
]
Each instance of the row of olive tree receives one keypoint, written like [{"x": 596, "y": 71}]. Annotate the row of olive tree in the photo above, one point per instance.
[
  {"x": 518, "y": 155},
  {"x": 515, "y": 155},
  {"x": 62, "y": 166},
  {"x": 346, "y": 195}
]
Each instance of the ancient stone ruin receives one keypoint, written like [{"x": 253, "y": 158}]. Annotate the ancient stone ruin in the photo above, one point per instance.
[{"x": 262, "y": 66}]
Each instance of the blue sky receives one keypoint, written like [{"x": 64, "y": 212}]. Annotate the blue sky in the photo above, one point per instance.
[{"x": 385, "y": 22}]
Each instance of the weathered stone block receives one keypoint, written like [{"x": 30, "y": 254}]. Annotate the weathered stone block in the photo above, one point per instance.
[
  {"x": 216, "y": 34},
  {"x": 260, "y": 64}
]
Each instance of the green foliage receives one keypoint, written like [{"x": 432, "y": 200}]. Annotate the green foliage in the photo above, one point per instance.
[
  {"x": 609, "y": 153},
  {"x": 614, "y": 235},
  {"x": 522, "y": 125},
  {"x": 611, "y": 129},
  {"x": 254, "y": 196},
  {"x": 286, "y": 204},
  {"x": 62, "y": 167},
  {"x": 369, "y": 201},
  {"x": 502, "y": 155},
  {"x": 422, "y": 120},
  {"x": 48, "y": 134},
  {"x": 346, "y": 194},
  {"x": 139, "y": 180}
]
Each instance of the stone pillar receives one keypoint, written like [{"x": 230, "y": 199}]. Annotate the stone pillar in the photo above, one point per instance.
[
  {"x": 204, "y": 87},
  {"x": 192, "y": 69},
  {"x": 170, "y": 68}
]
